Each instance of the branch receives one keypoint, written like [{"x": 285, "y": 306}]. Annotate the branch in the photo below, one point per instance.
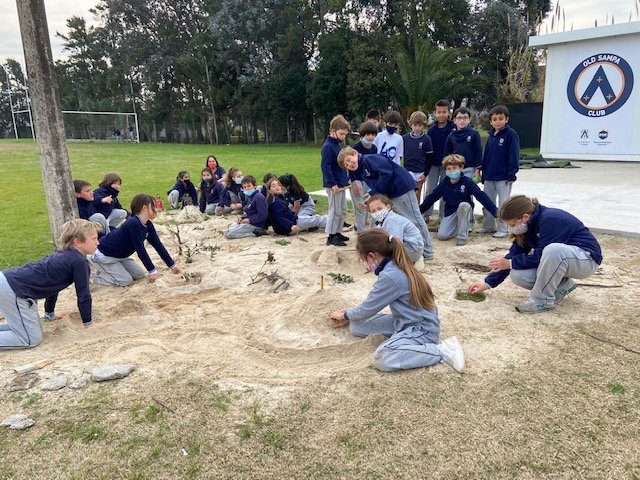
[{"x": 611, "y": 342}]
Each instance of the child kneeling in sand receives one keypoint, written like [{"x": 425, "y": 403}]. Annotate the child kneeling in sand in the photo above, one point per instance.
[
  {"x": 254, "y": 223},
  {"x": 413, "y": 325}
]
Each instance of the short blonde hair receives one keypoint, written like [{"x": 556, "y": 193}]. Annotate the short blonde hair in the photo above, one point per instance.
[
  {"x": 339, "y": 123},
  {"x": 73, "y": 229},
  {"x": 454, "y": 159},
  {"x": 418, "y": 118},
  {"x": 344, "y": 153}
]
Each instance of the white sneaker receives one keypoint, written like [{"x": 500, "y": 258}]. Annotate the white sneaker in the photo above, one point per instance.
[
  {"x": 500, "y": 235},
  {"x": 451, "y": 352}
]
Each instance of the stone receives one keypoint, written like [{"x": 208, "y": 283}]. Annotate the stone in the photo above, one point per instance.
[
  {"x": 22, "y": 424},
  {"x": 55, "y": 383},
  {"x": 18, "y": 421},
  {"x": 79, "y": 383},
  {"x": 108, "y": 371},
  {"x": 23, "y": 381}
]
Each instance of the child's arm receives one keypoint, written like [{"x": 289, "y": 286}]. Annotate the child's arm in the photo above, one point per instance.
[
  {"x": 154, "y": 241},
  {"x": 384, "y": 170},
  {"x": 202, "y": 204},
  {"x": 496, "y": 278},
  {"x": 427, "y": 146},
  {"x": 81, "y": 273},
  {"x": 384, "y": 292},
  {"x": 430, "y": 199},
  {"x": 448, "y": 146},
  {"x": 400, "y": 152},
  {"x": 514, "y": 157},
  {"x": 326, "y": 164},
  {"x": 477, "y": 149}
]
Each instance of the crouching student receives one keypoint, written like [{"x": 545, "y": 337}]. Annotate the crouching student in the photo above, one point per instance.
[
  {"x": 406, "y": 232},
  {"x": 211, "y": 192},
  {"x": 231, "y": 201},
  {"x": 86, "y": 209},
  {"x": 457, "y": 191},
  {"x": 254, "y": 222},
  {"x": 111, "y": 261},
  {"x": 301, "y": 203},
  {"x": 183, "y": 191},
  {"x": 22, "y": 287},
  {"x": 105, "y": 200},
  {"x": 412, "y": 326},
  {"x": 282, "y": 218},
  {"x": 551, "y": 247}
]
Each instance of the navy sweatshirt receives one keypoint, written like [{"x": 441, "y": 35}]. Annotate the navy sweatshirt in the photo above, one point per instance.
[
  {"x": 210, "y": 192},
  {"x": 501, "y": 160},
  {"x": 438, "y": 138},
  {"x": 85, "y": 208},
  {"x": 218, "y": 173},
  {"x": 302, "y": 198},
  {"x": 129, "y": 238},
  {"x": 50, "y": 275},
  {"x": 465, "y": 142},
  {"x": 186, "y": 188},
  {"x": 106, "y": 208},
  {"x": 332, "y": 174},
  {"x": 546, "y": 226},
  {"x": 281, "y": 217},
  {"x": 362, "y": 150},
  {"x": 385, "y": 176},
  {"x": 417, "y": 153},
  {"x": 255, "y": 207},
  {"x": 455, "y": 193},
  {"x": 225, "y": 199}
]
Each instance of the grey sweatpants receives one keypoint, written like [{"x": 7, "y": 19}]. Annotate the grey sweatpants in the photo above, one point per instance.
[
  {"x": 305, "y": 222},
  {"x": 234, "y": 199},
  {"x": 495, "y": 190},
  {"x": 412, "y": 347},
  {"x": 210, "y": 209},
  {"x": 114, "y": 272},
  {"x": 23, "y": 328},
  {"x": 407, "y": 206},
  {"x": 558, "y": 262},
  {"x": 174, "y": 198},
  {"x": 241, "y": 230},
  {"x": 116, "y": 217},
  {"x": 457, "y": 225},
  {"x": 361, "y": 215},
  {"x": 307, "y": 208},
  {"x": 337, "y": 209},
  {"x": 98, "y": 217},
  {"x": 435, "y": 175}
]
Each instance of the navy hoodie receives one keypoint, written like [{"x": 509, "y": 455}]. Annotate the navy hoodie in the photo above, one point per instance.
[
  {"x": 547, "y": 226},
  {"x": 361, "y": 149},
  {"x": 465, "y": 142},
  {"x": 210, "y": 193},
  {"x": 281, "y": 217},
  {"x": 85, "y": 208},
  {"x": 332, "y": 174},
  {"x": 501, "y": 160},
  {"x": 106, "y": 208},
  {"x": 50, "y": 275},
  {"x": 225, "y": 199},
  {"x": 186, "y": 188},
  {"x": 438, "y": 138},
  {"x": 455, "y": 193},
  {"x": 385, "y": 176},
  {"x": 218, "y": 173},
  {"x": 255, "y": 207},
  {"x": 417, "y": 153}
]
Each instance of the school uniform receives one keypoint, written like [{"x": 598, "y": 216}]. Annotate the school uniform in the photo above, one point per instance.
[
  {"x": 231, "y": 194},
  {"x": 362, "y": 215},
  {"x": 178, "y": 192},
  {"x": 557, "y": 246},
  {"x": 413, "y": 332},
  {"x": 417, "y": 154},
  {"x": 466, "y": 142},
  {"x": 333, "y": 175},
  {"x": 500, "y": 164},
  {"x": 458, "y": 210},
  {"x": 406, "y": 232},
  {"x": 282, "y": 219},
  {"x": 113, "y": 211},
  {"x": 438, "y": 136},
  {"x": 218, "y": 173},
  {"x": 390, "y": 145},
  {"x": 112, "y": 263},
  {"x": 255, "y": 207},
  {"x": 307, "y": 205},
  {"x": 87, "y": 211},
  {"x": 22, "y": 287},
  {"x": 210, "y": 194}
]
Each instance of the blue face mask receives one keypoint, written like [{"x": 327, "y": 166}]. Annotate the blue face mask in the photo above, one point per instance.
[
  {"x": 248, "y": 193},
  {"x": 238, "y": 180},
  {"x": 391, "y": 130},
  {"x": 454, "y": 175},
  {"x": 366, "y": 142}
]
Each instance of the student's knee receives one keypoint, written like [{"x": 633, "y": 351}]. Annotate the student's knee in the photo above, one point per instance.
[
  {"x": 443, "y": 236},
  {"x": 464, "y": 208},
  {"x": 554, "y": 251},
  {"x": 522, "y": 278},
  {"x": 382, "y": 360}
]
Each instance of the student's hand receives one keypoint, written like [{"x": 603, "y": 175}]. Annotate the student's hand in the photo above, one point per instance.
[
  {"x": 176, "y": 270},
  {"x": 477, "y": 173},
  {"x": 499, "y": 264},
  {"x": 52, "y": 317},
  {"x": 366, "y": 198},
  {"x": 511, "y": 183},
  {"x": 238, "y": 220},
  {"x": 477, "y": 288},
  {"x": 245, "y": 220},
  {"x": 154, "y": 277},
  {"x": 335, "y": 189},
  {"x": 295, "y": 229},
  {"x": 338, "y": 319},
  {"x": 108, "y": 199},
  {"x": 421, "y": 179},
  {"x": 236, "y": 206},
  {"x": 361, "y": 206},
  {"x": 356, "y": 189}
]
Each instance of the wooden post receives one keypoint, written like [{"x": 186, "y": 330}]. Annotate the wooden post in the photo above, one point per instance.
[{"x": 50, "y": 134}]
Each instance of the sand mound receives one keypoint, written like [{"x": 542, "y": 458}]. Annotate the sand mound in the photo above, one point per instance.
[{"x": 189, "y": 214}]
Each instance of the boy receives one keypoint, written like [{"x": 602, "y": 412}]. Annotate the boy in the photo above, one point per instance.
[
  {"x": 457, "y": 191},
  {"x": 254, "y": 222},
  {"x": 417, "y": 150},
  {"x": 388, "y": 142},
  {"x": 500, "y": 163},
  {"x": 465, "y": 141},
  {"x": 105, "y": 200},
  {"x": 334, "y": 181},
  {"x": 365, "y": 146},
  {"x": 438, "y": 133},
  {"x": 373, "y": 116},
  {"x": 84, "y": 197}
]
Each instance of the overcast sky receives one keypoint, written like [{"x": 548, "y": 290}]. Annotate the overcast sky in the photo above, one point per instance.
[{"x": 581, "y": 12}]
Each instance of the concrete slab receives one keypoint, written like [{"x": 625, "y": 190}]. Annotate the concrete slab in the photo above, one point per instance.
[{"x": 604, "y": 195}]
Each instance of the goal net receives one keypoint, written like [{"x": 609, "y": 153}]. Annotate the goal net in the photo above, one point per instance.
[{"x": 101, "y": 126}]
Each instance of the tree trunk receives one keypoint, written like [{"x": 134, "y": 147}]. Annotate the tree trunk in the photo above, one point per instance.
[
  {"x": 226, "y": 130},
  {"x": 288, "y": 133}
]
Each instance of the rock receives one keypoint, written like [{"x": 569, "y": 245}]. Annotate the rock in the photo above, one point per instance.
[
  {"x": 102, "y": 373},
  {"x": 23, "y": 381},
  {"x": 55, "y": 383},
  {"x": 23, "y": 424},
  {"x": 18, "y": 421},
  {"x": 79, "y": 383}
]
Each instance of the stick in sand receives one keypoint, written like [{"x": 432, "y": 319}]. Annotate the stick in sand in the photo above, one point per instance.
[{"x": 31, "y": 367}]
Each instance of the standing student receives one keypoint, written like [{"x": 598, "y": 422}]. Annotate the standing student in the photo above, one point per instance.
[
  {"x": 111, "y": 261},
  {"x": 254, "y": 223},
  {"x": 358, "y": 188},
  {"x": 86, "y": 209},
  {"x": 183, "y": 191},
  {"x": 283, "y": 220},
  {"x": 373, "y": 116},
  {"x": 105, "y": 200},
  {"x": 22, "y": 287},
  {"x": 334, "y": 181},
  {"x": 413, "y": 326},
  {"x": 231, "y": 201},
  {"x": 417, "y": 150},
  {"x": 301, "y": 203},
  {"x": 388, "y": 142},
  {"x": 438, "y": 133},
  {"x": 500, "y": 164},
  {"x": 216, "y": 169},
  {"x": 406, "y": 232},
  {"x": 385, "y": 177},
  {"x": 550, "y": 248},
  {"x": 465, "y": 141},
  {"x": 211, "y": 192}
]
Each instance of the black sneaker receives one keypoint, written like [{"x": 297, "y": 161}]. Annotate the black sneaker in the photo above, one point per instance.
[
  {"x": 346, "y": 225},
  {"x": 313, "y": 229},
  {"x": 337, "y": 242},
  {"x": 259, "y": 232},
  {"x": 342, "y": 237},
  {"x": 330, "y": 239}
]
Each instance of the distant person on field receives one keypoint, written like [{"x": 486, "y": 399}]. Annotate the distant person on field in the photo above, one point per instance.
[
  {"x": 105, "y": 200},
  {"x": 438, "y": 133},
  {"x": 388, "y": 142},
  {"x": 417, "y": 150},
  {"x": 465, "y": 141}
]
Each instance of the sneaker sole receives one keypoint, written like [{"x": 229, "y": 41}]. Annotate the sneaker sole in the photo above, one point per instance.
[{"x": 563, "y": 293}]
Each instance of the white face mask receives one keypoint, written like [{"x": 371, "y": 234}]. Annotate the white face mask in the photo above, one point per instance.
[
  {"x": 519, "y": 229},
  {"x": 380, "y": 215}
]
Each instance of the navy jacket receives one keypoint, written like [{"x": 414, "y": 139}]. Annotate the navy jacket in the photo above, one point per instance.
[
  {"x": 255, "y": 207},
  {"x": 417, "y": 153},
  {"x": 210, "y": 193},
  {"x": 384, "y": 176},
  {"x": 546, "y": 226},
  {"x": 85, "y": 208},
  {"x": 52, "y": 274},
  {"x": 455, "y": 193},
  {"x": 281, "y": 217},
  {"x": 129, "y": 238},
  {"x": 332, "y": 174},
  {"x": 438, "y": 138},
  {"x": 225, "y": 199},
  {"x": 362, "y": 150},
  {"x": 183, "y": 189},
  {"x": 501, "y": 160},
  {"x": 218, "y": 173},
  {"x": 106, "y": 208},
  {"x": 465, "y": 142},
  {"x": 303, "y": 198}
]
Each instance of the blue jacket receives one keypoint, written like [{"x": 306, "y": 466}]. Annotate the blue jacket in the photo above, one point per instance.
[
  {"x": 546, "y": 226},
  {"x": 129, "y": 238},
  {"x": 417, "y": 153},
  {"x": 85, "y": 208},
  {"x": 218, "y": 173},
  {"x": 362, "y": 150},
  {"x": 384, "y": 176},
  {"x": 332, "y": 174},
  {"x": 465, "y": 142},
  {"x": 106, "y": 208},
  {"x": 455, "y": 193},
  {"x": 501, "y": 160},
  {"x": 255, "y": 207},
  {"x": 280, "y": 216},
  {"x": 46, "y": 277},
  {"x": 186, "y": 188},
  {"x": 210, "y": 192},
  {"x": 225, "y": 199},
  {"x": 438, "y": 138}
]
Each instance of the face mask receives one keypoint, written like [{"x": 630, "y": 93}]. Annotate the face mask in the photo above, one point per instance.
[
  {"x": 366, "y": 142},
  {"x": 519, "y": 230},
  {"x": 380, "y": 215},
  {"x": 238, "y": 180},
  {"x": 248, "y": 193},
  {"x": 453, "y": 175},
  {"x": 207, "y": 180},
  {"x": 371, "y": 267},
  {"x": 391, "y": 130}
]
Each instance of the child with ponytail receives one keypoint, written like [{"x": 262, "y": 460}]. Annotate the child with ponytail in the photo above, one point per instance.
[{"x": 413, "y": 325}]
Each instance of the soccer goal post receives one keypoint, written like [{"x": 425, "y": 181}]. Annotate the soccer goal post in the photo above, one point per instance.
[{"x": 101, "y": 126}]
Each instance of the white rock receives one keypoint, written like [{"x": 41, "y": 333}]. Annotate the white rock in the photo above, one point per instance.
[
  {"x": 10, "y": 420},
  {"x": 55, "y": 383},
  {"x": 22, "y": 424},
  {"x": 102, "y": 373},
  {"x": 79, "y": 383}
]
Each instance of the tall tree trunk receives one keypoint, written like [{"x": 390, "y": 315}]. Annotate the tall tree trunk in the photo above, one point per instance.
[
  {"x": 226, "y": 130},
  {"x": 288, "y": 133}
]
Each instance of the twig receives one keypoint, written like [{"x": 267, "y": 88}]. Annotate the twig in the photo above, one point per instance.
[
  {"x": 598, "y": 286},
  {"x": 611, "y": 342},
  {"x": 163, "y": 405}
]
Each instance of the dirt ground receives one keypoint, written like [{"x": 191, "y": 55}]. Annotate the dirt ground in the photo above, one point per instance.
[{"x": 234, "y": 380}]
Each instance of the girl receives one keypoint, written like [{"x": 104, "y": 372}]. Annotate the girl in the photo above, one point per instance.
[
  {"x": 231, "y": 200},
  {"x": 105, "y": 200},
  {"x": 282, "y": 219},
  {"x": 412, "y": 325},
  {"x": 302, "y": 203},
  {"x": 21, "y": 287},
  {"x": 183, "y": 187},
  {"x": 406, "y": 232},
  {"x": 550, "y": 247},
  {"x": 216, "y": 169},
  {"x": 111, "y": 259},
  {"x": 265, "y": 179},
  {"x": 211, "y": 192}
]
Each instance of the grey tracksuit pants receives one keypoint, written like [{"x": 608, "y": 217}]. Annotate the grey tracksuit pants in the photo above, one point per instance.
[
  {"x": 337, "y": 209},
  {"x": 435, "y": 175},
  {"x": 305, "y": 222},
  {"x": 407, "y": 206},
  {"x": 495, "y": 190},
  {"x": 114, "y": 272},
  {"x": 23, "y": 328},
  {"x": 98, "y": 217},
  {"x": 241, "y": 230},
  {"x": 458, "y": 224},
  {"x": 307, "y": 208},
  {"x": 361, "y": 215},
  {"x": 116, "y": 217}
]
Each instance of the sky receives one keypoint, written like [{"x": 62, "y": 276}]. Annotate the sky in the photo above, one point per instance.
[{"x": 581, "y": 13}]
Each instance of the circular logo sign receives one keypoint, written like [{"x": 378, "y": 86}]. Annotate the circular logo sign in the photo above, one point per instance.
[{"x": 600, "y": 85}]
